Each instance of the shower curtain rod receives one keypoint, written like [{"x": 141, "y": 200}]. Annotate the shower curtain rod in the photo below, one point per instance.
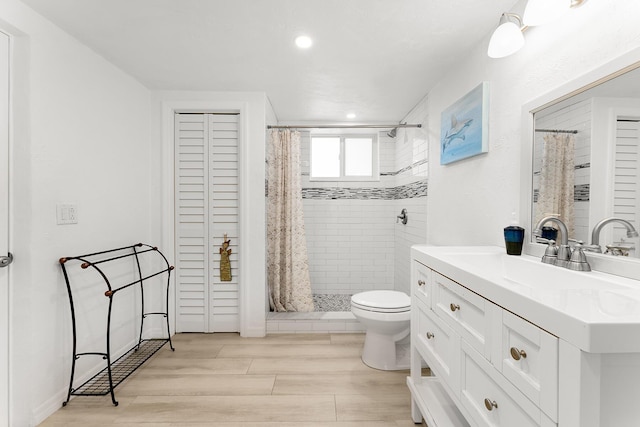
[
  {"x": 343, "y": 126},
  {"x": 557, "y": 131}
]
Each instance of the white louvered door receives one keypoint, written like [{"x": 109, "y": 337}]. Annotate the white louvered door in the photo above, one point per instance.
[
  {"x": 206, "y": 210},
  {"x": 626, "y": 189},
  {"x": 223, "y": 219}
]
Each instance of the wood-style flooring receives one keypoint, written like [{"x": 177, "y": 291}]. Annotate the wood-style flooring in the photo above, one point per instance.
[{"x": 223, "y": 380}]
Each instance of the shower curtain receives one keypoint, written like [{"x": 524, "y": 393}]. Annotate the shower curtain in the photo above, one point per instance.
[
  {"x": 287, "y": 264},
  {"x": 557, "y": 179}
]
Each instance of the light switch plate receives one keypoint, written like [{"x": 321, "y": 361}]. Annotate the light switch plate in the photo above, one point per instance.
[{"x": 67, "y": 213}]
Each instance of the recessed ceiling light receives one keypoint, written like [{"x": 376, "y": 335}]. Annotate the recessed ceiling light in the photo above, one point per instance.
[
  {"x": 351, "y": 116},
  {"x": 304, "y": 42}
]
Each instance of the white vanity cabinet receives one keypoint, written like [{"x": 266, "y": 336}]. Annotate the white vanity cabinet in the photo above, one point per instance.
[
  {"x": 466, "y": 312},
  {"x": 513, "y": 342},
  {"x": 528, "y": 357},
  {"x": 490, "y": 399},
  {"x": 487, "y": 361}
]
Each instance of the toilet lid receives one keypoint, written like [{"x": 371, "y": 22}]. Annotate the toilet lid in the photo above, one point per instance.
[{"x": 383, "y": 301}]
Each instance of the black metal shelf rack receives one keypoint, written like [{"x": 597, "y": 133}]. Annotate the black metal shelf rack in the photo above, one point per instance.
[{"x": 105, "y": 381}]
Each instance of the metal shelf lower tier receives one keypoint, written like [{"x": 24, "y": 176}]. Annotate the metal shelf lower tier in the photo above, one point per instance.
[{"x": 124, "y": 366}]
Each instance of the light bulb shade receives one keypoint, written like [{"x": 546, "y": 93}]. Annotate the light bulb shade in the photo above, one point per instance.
[
  {"x": 303, "y": 42},
  {"x": 538, "y": 12},
  {"x": 507, "y": 39}
]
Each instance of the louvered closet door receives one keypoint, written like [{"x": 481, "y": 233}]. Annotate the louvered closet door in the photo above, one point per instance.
[
  {"x": 223, "y": 215},
  {"x": 206, "y": 209},
  {"x": 627, "y": 181}
]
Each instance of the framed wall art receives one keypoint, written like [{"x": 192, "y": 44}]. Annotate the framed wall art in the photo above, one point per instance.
[{"x": 464, "y": 126}]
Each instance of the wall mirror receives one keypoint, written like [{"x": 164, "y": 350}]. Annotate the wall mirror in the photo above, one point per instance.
[{"x": 581, "y": 162}]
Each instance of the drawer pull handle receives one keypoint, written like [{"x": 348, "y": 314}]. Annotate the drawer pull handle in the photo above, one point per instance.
[
  {"x": 454, "y": 307},
  {"x": 421, "y": 283},
  {"x": 490, "y": 404},
  {"x": 517, "y": 354},
  {"x": 430, "y": 335}
]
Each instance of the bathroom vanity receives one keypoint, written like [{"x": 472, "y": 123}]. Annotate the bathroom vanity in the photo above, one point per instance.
[{"x": 510, "y": 341}]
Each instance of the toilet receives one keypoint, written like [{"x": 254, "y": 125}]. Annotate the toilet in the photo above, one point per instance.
[{"x": 386, "y": 316}]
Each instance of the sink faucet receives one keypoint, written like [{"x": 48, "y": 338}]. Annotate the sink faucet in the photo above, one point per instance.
[
  {"x": 564, "y": 252},
  {"x": 595, "y": 235},
  {"x": 561, "y": 225}
]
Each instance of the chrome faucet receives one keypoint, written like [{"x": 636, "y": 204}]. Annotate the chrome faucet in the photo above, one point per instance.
[
  {"x": 562, "y": 255},
  {"x": 537, "y": 230},
  {"x": 595, "y": 235}
]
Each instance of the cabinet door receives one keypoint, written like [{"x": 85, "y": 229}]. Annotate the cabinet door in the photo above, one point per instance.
[
  {"x": 421, "y": 283},
  {"x": 466, "y": 312},
  {"x": 438, "y": 345},
  {"x": 490, "y": 399},
  {"x": 529, "y": 359}
]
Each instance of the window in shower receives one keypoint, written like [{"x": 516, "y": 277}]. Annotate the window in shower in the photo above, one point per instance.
[{"x": 344, "y": 158}]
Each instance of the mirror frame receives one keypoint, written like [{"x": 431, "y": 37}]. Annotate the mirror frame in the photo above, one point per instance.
[{"x": 620, "y": 266}]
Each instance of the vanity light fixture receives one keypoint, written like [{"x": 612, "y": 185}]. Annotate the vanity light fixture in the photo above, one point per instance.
[
  {"x": 507, "y": 39},
  {"x": 304, "y": 42}
]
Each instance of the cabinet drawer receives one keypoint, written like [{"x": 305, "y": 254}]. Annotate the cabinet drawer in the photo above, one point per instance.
[
  {"x": 438, "y": 345},
  {"x": 466, "y": 312},
  {"x": 529, "y": 359},
  {"x": 490, "y": 399},
  {"x": 421, "y": 283}
]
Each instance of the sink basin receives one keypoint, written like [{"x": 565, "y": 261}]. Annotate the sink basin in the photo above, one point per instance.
[
  {"x": 595, "y": 311},
  {"x": 530, "y": 272}
]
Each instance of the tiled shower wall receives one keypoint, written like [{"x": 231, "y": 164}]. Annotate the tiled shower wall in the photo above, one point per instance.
[
  {"x": 353, "y": 240},
  {"x": 412, "y": 163},
  {"x": 349, "y": 228}
]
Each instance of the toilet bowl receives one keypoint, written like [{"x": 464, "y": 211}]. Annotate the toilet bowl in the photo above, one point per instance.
[{"x": 385, "y": 316}]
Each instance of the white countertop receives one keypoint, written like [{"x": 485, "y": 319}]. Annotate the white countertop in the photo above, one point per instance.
[{"x": 594, "y": 311}]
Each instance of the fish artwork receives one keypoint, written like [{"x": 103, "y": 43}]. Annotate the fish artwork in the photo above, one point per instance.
[
  {"x": 464, "y": 126},
  {"x": 458, "y": 128}
]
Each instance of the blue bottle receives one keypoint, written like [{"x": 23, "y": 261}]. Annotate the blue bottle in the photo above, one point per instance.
[{"x": 514, "y": 237}]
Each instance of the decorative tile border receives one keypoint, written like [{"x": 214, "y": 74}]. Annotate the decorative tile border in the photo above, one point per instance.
[
  {"x": 333, "y": 193},
  {"x": 408, "y": 191},
  {"x": 412, "y": 191},
  {"x": 581, "y": 166},
  {"x": 584, "y": 165},
  {"x": 581, "y": 193}
]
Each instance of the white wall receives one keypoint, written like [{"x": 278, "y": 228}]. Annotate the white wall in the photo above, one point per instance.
[
  {"x": 81, "y": 135},
  {"x": 471, "y": 201}
]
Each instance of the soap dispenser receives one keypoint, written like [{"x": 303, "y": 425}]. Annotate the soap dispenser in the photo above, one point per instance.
[{"x": 514, "y": 237}]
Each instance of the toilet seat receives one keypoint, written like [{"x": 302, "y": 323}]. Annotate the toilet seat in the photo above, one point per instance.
[{"x": 382, "y": 301}]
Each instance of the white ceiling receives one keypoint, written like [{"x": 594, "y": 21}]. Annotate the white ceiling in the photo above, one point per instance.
[{"x": 376, "y": 58}]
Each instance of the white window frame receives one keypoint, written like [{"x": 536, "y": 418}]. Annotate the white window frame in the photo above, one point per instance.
[{"x": 375, "y": 157}]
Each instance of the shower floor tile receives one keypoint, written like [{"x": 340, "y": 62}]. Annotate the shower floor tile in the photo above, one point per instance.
[{"x": 332, "y": 302}]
